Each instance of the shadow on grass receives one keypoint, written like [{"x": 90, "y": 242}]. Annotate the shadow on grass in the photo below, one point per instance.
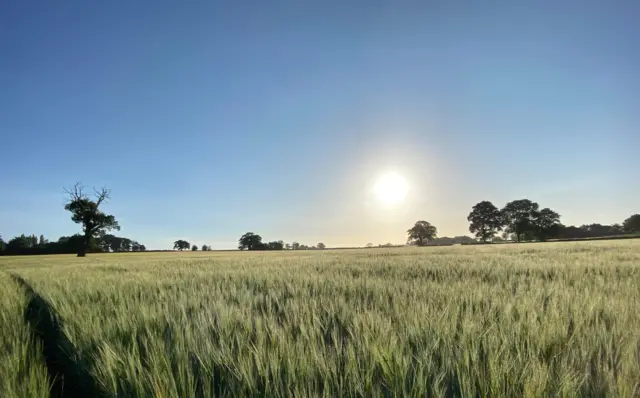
[{"x": 69, "y": 375}]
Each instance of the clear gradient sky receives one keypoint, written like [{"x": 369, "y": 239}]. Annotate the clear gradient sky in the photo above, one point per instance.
[{"x": 211, "y": 119}]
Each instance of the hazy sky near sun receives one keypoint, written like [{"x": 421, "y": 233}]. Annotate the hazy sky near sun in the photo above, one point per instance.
[{"x": 211, "y": 119}]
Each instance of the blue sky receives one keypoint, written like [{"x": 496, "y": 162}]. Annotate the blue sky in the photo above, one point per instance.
[{"x": 211, "y": 119}]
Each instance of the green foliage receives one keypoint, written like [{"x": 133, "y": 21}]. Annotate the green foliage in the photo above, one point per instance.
[
  {"x": 21, "y": 243},
  {"x": 553, "y": 319},
  {"x": 546, "y": 223},
  {"x": 485, "y": 219},
  {"x": 275, "y": 245},
  {"x": 86, "y": 211},
  {"x": 421, "y": 233},
  {"x": 116, "y": 244},
  {"x": 250, "y": 241},
  {"x": 194, "y": 248},
  {"x": 205, "y": 248},
  {"x": 519, "y": 216},
  {"x": 321, "y": 246},
  {"x": 632, "y": 224},
  {"x": 181, "y": 245},
  {"x": 28, "y": 245}
]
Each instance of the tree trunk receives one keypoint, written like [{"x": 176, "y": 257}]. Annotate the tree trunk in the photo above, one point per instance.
[{"x": 85, "y": 246}]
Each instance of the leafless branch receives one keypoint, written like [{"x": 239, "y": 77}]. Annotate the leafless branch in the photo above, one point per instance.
[
  {"x": 76, "y": 192},
  {"x": 102, "y": 195}
]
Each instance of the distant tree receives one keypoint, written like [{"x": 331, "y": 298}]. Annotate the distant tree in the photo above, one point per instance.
[
  {"x": 205, "y": 248},
  {"x": 546, "y": 224},
  {"x": 126, "y": 244},
  {"x": 616, "y": 229},
  {"x": 321, "y": 246},
  {"x": 33, "y": 241},
  {"x": 518, "y": 216},
  {"x": 421, "y": 233},
  {"x": 194, "y": 248},
  {"x": 19, "y": 244},
  {"x": 135, "y": 246},
  {"x": 369, "y": 245},
  {"x": 485, "y": 220},
  {"x": 86, "y": 211},
  {"x": 250, "y": 241},
  {"x": 456, "y": 240},
  {"x": 3, "y": 245},
  {"x": 75, "y": 243},
  {"x": 181, "y": 245},
  {"x": 276, "y": 245},
  {"x": 42, "y": 241},
  {"x": 143, "y": 248},
  {"x": 295, "y": 246},
  {"x": 287, "y": 246},
  {"x": 632, "y": 224}
]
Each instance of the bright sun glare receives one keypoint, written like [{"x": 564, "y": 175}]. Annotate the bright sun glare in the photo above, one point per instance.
[{"x": 390, "y": 189}]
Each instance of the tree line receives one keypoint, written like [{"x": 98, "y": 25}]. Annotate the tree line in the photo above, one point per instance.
[
  {"x": 519, "y": 220},
  {"x": 522, "y": 220},
  {"x": 33, "y": 245},
  {"x": 184, "y": 245},
  {"x": 251, "y": 241},
  {"x": 85, "y": 210}
]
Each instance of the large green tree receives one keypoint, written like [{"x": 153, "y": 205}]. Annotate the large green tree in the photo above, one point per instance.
[
  {"x": 181, "y": 245},
  {"x": 518, "y": 216},
  {"x": 546, "y": 224},
  {"x": 86, "y": 211},
  {"x": 485, "y": 219},
  {"x": 421, "y": 233},
  {"x": 250, "y": 241},
  {"x": 632, "y": 224}
]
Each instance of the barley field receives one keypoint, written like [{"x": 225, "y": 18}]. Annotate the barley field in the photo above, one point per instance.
[
  {"x": 22, "y": 368},
  {"x": 552, "y": 319}
]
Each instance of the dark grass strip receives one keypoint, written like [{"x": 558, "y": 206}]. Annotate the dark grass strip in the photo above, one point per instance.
[{"x": 69, "y": 375}]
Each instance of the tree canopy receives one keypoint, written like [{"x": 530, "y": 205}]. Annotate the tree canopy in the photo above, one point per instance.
[
  {"x": 632, "y": 224},
  {"x": 31, "y": 245},
  {"x": 421, "y": 233},
  {"x": 181, "y": 245},
  {"x": 86, "y": 211},
  {"x": 250, "y": 241},
  {"x": 518, "y": 216},
  {"x": 485, "y": 219},
  {"x": 546, "y": 223}
]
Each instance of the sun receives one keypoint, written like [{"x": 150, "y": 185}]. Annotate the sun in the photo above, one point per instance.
[{"x": 390, "y": 189}]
